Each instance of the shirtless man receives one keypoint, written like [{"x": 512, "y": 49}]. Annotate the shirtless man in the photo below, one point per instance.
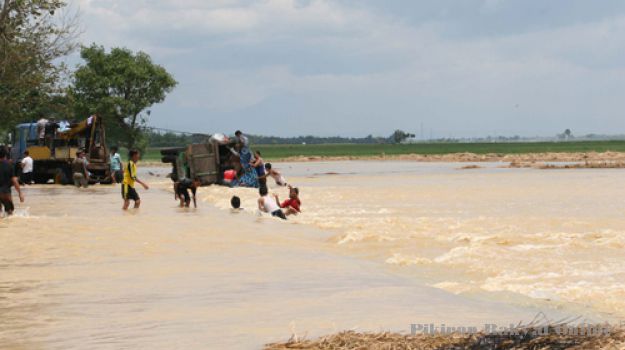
[{"x": 276, "y": 175}]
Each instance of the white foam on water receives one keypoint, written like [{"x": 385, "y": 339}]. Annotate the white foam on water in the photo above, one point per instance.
[
  {"x": 400, "y": 259},
  {"x": 534, "y": 233}
]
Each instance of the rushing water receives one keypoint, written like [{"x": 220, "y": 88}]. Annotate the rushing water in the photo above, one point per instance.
[
  {"x": 379, "y": 245},
  {"x": 550, "y": 235}
]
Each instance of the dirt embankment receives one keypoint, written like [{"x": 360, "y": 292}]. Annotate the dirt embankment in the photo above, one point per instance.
[{"x": 590, "y": 157}]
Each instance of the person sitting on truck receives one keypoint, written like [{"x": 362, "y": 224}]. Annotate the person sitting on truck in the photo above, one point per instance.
[
  {"x": 79, "y": 170},
  {"x": 117, "y": 175},
  {"x": 130, "y": 177},
  {"x": 269, "y": 204},
  {"x": 181, "y": 189},
  {"x": 8, "y": 180},
  {"x": 276, "y": 175},
  {"x": 27, "y": 169}
]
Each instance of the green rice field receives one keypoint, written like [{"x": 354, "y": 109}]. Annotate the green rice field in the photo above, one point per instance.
[{"x": 368, "y": 150}]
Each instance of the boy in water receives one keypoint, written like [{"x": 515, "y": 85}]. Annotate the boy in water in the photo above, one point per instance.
[
  {"x": 117, "y": 175},
  {"x": 8, "y": 180},
  {"x": 276, "y": 175},
  {"x": 182, "y": 187},
  {"x": 269, "y": 204},
  {"x": 130, "y": 177},
  {"x": 235, "y": 202},
  {"x": 292, "y": 205},
  {"x": 27, "y": 169}
]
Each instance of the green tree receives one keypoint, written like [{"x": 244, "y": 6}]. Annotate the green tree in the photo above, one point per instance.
[
  {"x": 399, "y": 136},
  {"x": 34, "y": 35},
  {"x": 566, "y": 135},
  {"x": 120, "y": 86}
]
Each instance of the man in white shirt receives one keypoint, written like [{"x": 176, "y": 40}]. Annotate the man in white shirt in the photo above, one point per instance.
[{"x": 27, "y": 169}]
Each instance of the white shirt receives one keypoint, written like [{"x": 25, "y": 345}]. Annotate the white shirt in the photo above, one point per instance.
[
  {"x": 27, "y": 165},
  {"x": 270, "y": 204}
]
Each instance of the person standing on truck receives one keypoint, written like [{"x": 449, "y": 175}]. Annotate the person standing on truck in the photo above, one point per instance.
[
  {"x": 80, "y": 174},
  {"x": 130, "y": 177},
  {"x": 27, "y": 169},
  {"x": 8, "y": 180},
  {"x": 41, "y": 130},
  {"x": 117, "y": 175},
  {"x": 249, "y": 177}
]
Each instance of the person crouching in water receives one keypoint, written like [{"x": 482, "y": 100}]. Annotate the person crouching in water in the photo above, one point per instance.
[
  {"x": 291, "y": 206},
  {"x": 182, "y": 187},
  {"x": 269, "y": 204},
  {"x": 130, "y": 177}
]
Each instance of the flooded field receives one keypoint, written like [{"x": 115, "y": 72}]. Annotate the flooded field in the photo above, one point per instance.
[
  {"x": 552, "y": 236},
  {"x": 380, "y": 245}
]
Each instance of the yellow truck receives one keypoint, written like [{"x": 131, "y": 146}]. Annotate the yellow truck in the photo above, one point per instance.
[{"x": 53, "y": 147}]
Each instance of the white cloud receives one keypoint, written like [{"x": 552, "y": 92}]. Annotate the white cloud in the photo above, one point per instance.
[{"x": 325, "y": 59}]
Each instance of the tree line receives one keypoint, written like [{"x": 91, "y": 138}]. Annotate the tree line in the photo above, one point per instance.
[{"x": 177, "y": 139}]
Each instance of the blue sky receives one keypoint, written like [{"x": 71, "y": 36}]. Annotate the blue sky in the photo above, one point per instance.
[{"x": 460, "y": 68}]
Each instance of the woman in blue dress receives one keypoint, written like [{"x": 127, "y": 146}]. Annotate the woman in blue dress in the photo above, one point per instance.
[{"x": 248, "y": 177}]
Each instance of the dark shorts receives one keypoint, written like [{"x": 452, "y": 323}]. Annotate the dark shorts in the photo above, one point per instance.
[
  {"x": 184, "y": 193},
  {"x": 118, "y": 176},
  {"x": 7, "y": 203},
  {"x": 27, "y": 178},
  {"x": 279, "y": 214},
  {"x": 129, "y": 193}
]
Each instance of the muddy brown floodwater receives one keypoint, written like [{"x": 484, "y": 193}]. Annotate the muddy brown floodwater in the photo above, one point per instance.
[{"x": 379, "y": 246}]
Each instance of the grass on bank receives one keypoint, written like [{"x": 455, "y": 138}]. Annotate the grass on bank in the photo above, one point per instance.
[
  {"x": 524, "y": 339},
  {"x": 370, "y": 150}
]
